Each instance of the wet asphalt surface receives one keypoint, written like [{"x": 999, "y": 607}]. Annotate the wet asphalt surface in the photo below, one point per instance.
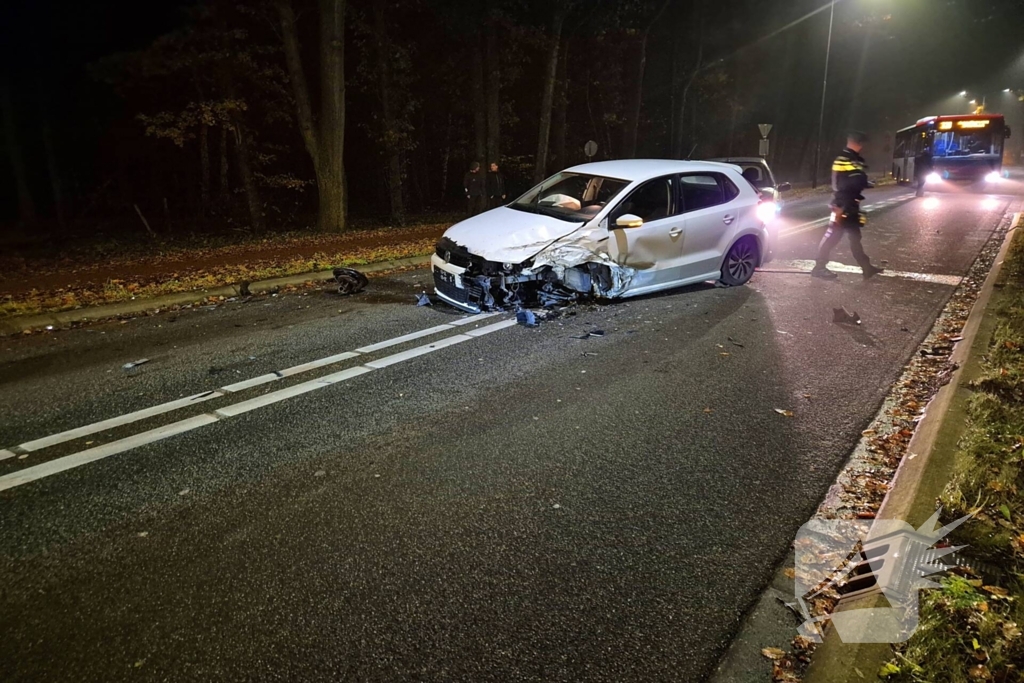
[{"x": 524, "y": 506}]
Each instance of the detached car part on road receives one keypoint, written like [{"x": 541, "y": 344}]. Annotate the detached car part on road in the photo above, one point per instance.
[{"x": 607, "y": 230}]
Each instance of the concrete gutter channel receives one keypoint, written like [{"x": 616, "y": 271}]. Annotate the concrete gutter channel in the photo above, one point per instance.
[
  {"x": 19, "y": 324},
  {"x": 918, "y": 482}
]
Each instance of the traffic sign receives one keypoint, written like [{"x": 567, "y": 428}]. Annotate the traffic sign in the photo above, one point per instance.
[
  {"x": 765, "y": 128},
  {"x": 763, "y": 148},
  {"x": 590, "y": 149}
]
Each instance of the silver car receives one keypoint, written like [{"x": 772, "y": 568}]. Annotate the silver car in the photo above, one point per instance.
[{"x": 607, "y": 230}]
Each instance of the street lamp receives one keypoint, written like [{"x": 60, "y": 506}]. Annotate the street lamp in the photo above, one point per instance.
[{"x": 824, "y": 91}]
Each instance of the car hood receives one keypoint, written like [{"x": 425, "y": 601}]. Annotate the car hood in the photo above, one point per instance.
[{"x": 509, "y": 236}]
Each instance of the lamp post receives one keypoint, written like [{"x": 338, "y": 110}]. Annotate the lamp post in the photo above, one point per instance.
[{"x": 824, "y": 92}]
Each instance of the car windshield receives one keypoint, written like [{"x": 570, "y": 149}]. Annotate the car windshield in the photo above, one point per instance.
[{"x": 571, "y": 197}]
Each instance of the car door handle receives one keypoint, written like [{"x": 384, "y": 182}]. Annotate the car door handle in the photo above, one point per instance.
[
  {"x": 675, "y": 232},
  {"x": 728, "y": 219}
]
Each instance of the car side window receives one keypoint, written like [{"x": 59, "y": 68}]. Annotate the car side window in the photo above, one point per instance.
[
  {"x": 729, "y": 189},
  {"x": 701, "y": 191},
  {"x": 651, "y": 201}
]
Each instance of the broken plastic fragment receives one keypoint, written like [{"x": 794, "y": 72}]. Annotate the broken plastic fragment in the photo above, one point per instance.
[
  {"x": 784, "y": 413},
  {"x": 134, "y": 364},
  {"x": 423, "y": 300},
  {"x": 842, "y": 316},
  {"x": 526, "y": 318}
]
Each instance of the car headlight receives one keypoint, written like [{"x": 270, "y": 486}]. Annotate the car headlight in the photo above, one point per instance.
[
  {"x": 767, "y": 211},
  {"x": 993, "y": 177},
  {"x": 933, "y": 178}
]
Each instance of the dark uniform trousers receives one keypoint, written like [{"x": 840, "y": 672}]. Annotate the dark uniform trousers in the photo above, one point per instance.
[{"x": 843, "y": 225}]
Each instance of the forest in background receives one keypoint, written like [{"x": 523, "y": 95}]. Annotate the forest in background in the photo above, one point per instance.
[{"x": 289, "y": 114}]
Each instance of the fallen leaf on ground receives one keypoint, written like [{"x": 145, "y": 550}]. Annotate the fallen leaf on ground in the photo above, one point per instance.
[
  {"x": 773, "y": 653},
  {"x": 996, "y": 590},
  {"x": 784, "y": 413}
]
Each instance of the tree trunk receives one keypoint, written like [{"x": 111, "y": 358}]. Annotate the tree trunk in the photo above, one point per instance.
[
  {"x": 225, "y": 188},
  {"x": 324, "y": 142},
  {"x": 56, "y": 186},
  {"x": 680, "y": 127},
  {"x": 390, "y": 132},
  {"x": 558, "y": 124},
  {"x": 204, "y": 169},
  {"x": 26, "y": 207},
  {"x": 634, "y": 100},
  {"x": 493, "y": 94},
  {"x": 548, "y": 96},
  {"x": 248, "y": 180},
  {"x": 479, "y": 102},
  {"x": 331, "y": 132}
]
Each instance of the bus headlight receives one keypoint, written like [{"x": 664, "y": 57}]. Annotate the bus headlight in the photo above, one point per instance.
[
  {"x": 993, "y": 177},
  {"x": 933, "y": 178}
]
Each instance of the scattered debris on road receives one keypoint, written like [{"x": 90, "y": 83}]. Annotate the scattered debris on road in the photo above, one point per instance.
[
  {"x": 526, "y": 318},
  {"x": 423, "y": 300},
  {"x": 350, "y": 281},
  {"x": 843, "y": 317},
  {"x": 784, "y": 413},
  {"x": 134, "y": 364}
]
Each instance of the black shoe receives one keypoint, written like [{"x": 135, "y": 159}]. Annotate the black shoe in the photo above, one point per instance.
[
  {"x": 872, "y": 271},
  {"x": 824, "y": 274}
]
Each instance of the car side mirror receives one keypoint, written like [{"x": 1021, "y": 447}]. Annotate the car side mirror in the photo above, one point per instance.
[
  {"x": 784, "y": 187},
  {"x": 629, "y": 221}
]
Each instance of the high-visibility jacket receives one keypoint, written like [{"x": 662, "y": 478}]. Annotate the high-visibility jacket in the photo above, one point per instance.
[{"x": 849, "y": 180}]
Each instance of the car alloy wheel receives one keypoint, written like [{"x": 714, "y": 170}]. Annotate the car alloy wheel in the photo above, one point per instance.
[{"x": 740, "y": 263}]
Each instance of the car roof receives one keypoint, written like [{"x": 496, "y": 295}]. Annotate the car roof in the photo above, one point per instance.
[
  {"x": 741, "y": 160},
  {"x": 643, "y": 169}
]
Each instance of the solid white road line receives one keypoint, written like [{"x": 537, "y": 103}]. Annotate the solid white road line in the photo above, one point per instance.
[
  {"x": 162, "y": 408},
  {"x": 475, "y": 318},
  {"x": 55, "y": 439},
  {"x": 9, "y": 481},
  {"x": 418, "y": 351},
  {"x": 505, "y": 324},
  {"x": 404, "y": 338},
  {"x": 68, "y": 462},
  {"x": 297, "y": 390}
]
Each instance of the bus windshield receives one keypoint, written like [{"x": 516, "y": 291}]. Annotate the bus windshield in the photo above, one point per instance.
[{"x": 962, "y": 143}]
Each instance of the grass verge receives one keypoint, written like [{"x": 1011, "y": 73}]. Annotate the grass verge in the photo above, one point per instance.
[
  {"x": 971, "y": 627},
  {"x": 187, "y": 279}
]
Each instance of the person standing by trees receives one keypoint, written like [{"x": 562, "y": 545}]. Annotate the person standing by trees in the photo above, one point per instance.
[
  {"x": 495, "y": 187},
  {"x": 475, "y": 186}
]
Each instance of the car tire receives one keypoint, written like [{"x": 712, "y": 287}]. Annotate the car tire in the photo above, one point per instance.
[{"x": 740, "y": 263}]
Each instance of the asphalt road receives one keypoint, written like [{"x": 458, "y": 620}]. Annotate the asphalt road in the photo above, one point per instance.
[{"x": 511, "y": 505}]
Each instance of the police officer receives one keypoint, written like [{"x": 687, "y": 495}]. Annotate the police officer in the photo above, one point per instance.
[{"x": 849, "y": 180}]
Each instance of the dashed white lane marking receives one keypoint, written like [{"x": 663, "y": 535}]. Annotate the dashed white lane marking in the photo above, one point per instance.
[
  {"x": 68, "y": 462},
  {"x": 297, "y": 390},
  {"x": 405, "y": 338},
  {"x": 418, "y": 351},
  {"x": 162, "y": 408},
  {"x": 71, "y": 434},
  {"x": 805, "y": 266},
  {"x": 30, "y": 474}
]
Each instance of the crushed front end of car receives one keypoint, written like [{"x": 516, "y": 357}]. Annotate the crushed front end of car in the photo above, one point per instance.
[{"x": 568, "y": 270}]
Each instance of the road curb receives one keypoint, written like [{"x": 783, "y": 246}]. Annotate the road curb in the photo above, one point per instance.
[
  {"x": 913, "y": 490},
  {"x": 19, "y": 324}
]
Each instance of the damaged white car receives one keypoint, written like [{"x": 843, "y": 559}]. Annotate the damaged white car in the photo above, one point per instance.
[{"x": 608, "y": 229}]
